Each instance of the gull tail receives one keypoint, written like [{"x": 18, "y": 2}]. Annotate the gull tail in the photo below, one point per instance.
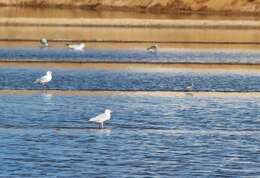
[{"x": 92, "y": 119}]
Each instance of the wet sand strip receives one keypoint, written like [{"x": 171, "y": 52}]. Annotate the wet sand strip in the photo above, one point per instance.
[
  {"x": 81, "y": 65},
  {"x": 134, "y": 41},
  {"x": 109, "y": 93},
  {"x": 127, "y": 22}
]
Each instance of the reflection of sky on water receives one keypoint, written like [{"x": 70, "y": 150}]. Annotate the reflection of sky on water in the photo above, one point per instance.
[{"x": 194, "y": 135}]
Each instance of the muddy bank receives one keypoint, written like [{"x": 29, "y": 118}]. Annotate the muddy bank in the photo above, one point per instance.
[
  {"x": 113, "y": 66},
  {"x": 141, "y": 23},
  {"x": 131, "y": 36},
  {"x": 169, "y": 6},
  {"x": 130, "y": 93}
]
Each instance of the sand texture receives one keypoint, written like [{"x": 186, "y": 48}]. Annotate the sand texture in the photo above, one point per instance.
[{"x": 170, "y": 6}]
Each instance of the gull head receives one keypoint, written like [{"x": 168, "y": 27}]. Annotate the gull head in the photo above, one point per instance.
[
  {"x": 108, "y": 111},
  {"x": 44, "y": 41},
  {"x": 49, "y": 72},
  {"x": 156, "y": 45}
]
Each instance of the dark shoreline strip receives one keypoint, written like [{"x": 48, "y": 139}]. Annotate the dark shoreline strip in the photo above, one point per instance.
[
  {"x": 154, "y": 26},
  {"x": 235, "y": 27}
]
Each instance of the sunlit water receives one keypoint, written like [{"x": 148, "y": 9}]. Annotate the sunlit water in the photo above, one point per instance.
[
  {"x": 141, "y": 55},
  {"x": 46, "y": 135},
  {"x": 98, "y": 79}
]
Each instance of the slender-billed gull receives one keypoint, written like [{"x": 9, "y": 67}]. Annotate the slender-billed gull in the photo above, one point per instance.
[
  {"x": 101, "y": 118},
  {"x": 44, "y": 42},
  {"x": 153, "y": 48},
  {"x": 44, "y": 79},
  {"x": 77, "y": 47}
]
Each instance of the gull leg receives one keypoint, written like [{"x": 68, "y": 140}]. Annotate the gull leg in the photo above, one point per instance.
[
  {"x": 101, "y": 125},
  {"x": 44, "y": 86}
]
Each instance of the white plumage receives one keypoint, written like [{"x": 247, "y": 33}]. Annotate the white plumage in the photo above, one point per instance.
[
  {"x": 101, "y": 118},
  {"x": 77, "y": 47},
  {"x": 44, "y": 42},
  {"x": 190, "y": 87},
  {"x": 44, "y": 79}
]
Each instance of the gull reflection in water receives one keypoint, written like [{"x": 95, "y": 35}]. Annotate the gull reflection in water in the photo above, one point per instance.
[
  {"x": 47, "y": 98},
  {"x": 105, "y": 131}
]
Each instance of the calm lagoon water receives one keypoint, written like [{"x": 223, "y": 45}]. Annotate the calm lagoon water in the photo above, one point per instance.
[
  {"x": 48, "y": 135},
  {"x": 123, "y": 79},
  {"x": 136, "y": 56},
  {"x": 148, "y": 136}
]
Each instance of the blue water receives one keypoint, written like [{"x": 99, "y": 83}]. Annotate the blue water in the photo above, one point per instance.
[
  {"x": 34, "y": 54},
  {"x": 48, "y": 135},
  {"x": 89, "y": 79},
  {"x": 148, "y": 136}
]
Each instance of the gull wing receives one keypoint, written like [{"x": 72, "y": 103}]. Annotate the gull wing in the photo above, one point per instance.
[
  {"x": 43, "y": 79},
  {"x": 99, "y": 118},
  {"x": 71, "y": 46}
]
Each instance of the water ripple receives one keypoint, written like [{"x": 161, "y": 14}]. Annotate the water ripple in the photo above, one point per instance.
[{"x": 93, "y": 55}]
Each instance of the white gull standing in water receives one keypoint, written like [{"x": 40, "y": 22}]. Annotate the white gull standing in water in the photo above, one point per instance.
[
  {"x": 44, "y": 42},
  {"x": 77, "y": 47},
  {"x": 101, "y": 118},
  {"x": 153, "y": 49},
  {"x": 44, "y": 79},
  {"x": 190, "y": 87}
]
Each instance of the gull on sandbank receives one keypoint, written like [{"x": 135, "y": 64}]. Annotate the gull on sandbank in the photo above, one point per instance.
[
  {"x": 77, "y": 47},
  {"x": 44, "y": 79},
  {"x": 44, "y": 42},
  {"x": 153, "y": 48},
  {"x": 101, "y": 118}
]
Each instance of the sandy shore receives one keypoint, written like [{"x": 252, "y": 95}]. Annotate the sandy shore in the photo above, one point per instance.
[
  {"x": 49, "y": 93},
  {"x": 200, "y": 68},
  {"x": 142, "y": 23}
]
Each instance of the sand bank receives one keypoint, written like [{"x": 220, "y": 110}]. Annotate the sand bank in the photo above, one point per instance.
[
  {"x": 147, "y": 67},
  {"x": 135, "y": 37},
  {"x": 48, "y": 93},
  {"x": 129, "y": 22}
]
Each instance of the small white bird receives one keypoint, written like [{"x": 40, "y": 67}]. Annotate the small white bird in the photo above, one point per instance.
[
  {"x": 77, "y": 47},
  {"x": 44, "y": 79},
  {"x": 153, "y": 49},
  {"x": 44, "y": 42},
  {"x": 190, "y": 87},
  {"x": 100, "y": 119}
]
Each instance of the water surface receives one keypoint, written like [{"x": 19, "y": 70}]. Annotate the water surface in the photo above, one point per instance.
[
  {"x": 172, "y": 55},
  {"x": 48, "y": 135},
  {"x": 129, "y": 79}
]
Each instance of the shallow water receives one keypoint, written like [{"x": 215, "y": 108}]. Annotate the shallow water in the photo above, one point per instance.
[
  {"x": 48, "y": 135},
  {"x": 129, "y": 79},
  {"x": 136, "y": 56}
]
